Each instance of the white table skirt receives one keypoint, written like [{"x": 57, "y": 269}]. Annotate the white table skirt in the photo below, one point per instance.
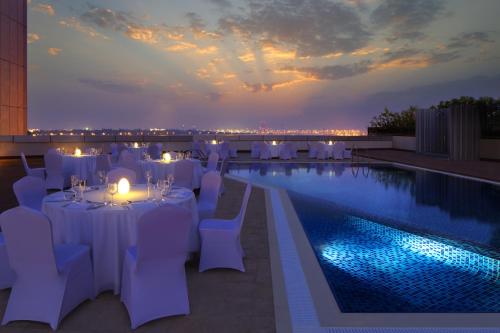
[
  {"x": 275, "y": 150},
  {"x": 109, "y": 231},
  {"x": 160, "y": 169},
  {"x": 82, "y": 166}
]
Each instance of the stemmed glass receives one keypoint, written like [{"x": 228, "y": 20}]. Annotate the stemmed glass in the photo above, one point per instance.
[
  {"x": 112, "y": 189},
  {"x": 149, "y": 177},
  {"x": 103, "y": 181},
  {"x": 74, "y": 183}
]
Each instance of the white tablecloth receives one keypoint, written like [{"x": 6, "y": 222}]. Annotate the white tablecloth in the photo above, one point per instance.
[
  {"x": 109, "y": 231},
  {"x": 275, "y": 150},
  {"x": 82, "y": 166},
  {"x": 160, "y": 169}
]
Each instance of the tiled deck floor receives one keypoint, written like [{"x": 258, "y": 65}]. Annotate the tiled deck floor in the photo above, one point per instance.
[
  {"x": 481, "y": 169},
  {"x": 221, "y": 300}
]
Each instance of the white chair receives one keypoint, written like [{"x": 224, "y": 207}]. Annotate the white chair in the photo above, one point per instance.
[
  {"x": 154, "y": 152},
  {"x": 30, "y": 192},
  {"x": 154, "y": 279},
  {"x": 116, "y": 174},
  {"x": 209, "y": 195},
  {"x": 255, "y": 150},
  {"x": 213, "y": 161},
  {"x": 265, "y": 151},
  {"x": 224, "y": 150},
  {"x": 321, "y": 152},
  {"x": 103, "y": 163},
  {"x": 183, "y": 173},
  {"x": 220, "y": 240},
  {"x": 35, "y": 172},
  {"x": 347, "y": 152},
  {"x": 51, "y": 280},
  {"x": 313, "y": 149},
  {"x": 285, "y": 152},
  {"x": 54, "y": 171},
  {"x": 338, "y": 151},
  {"x": 7, "y": 275},
  {"x": 127, "y": 160}
]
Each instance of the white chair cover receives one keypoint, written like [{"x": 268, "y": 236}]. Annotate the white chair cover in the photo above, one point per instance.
[
  {"x": 286, "y": 151},
  {"x": 183, "y": 173},
  {"x": 116, "y": 174},
  {"x": 265, "y": 151},
  {"x": 103, "y": 162},
  {"x": 54, "y": 170},
  {"x": 220, "y": 240},
  {"x": 294, "y": 149},
  {"x": 209, "y": 195},
  {"x": 30, "y": 192},
  {"x": 154, "y": 152},
  {"x": 321, "y": 152},
  {"x": 224, "y": 150},
  {"x": 128, "y": 161},
  {"x": 7, "y": 275},
  {"x": 313, "y": 149},
  {"x": 213, "y": 160},
  {"x": 154, "y": 279},
  {"x": 338, "y": 151},
  {"x": 255, "y": 150},
  {"x": 50, "y": 280},
  {"x": 35, "y": 172}
]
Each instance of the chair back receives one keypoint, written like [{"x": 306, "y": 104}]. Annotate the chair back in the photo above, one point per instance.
[
  {"x": 53, "y": 164},
  {"x": 210, "y": 187},
  {"x": 25, "y": 164},
  {"x": 30, "y": 192},
  {"x": 224, "y": 150},
  {"x": 163, "y": 234},
  {"x": 321, "y": 152},
  {"x": 28, "y": 237},
  {"x": 338, "y": 150},
  {"x": 213, "y": 160},
  {"x": 116, "y": 174},
  {"x": 103, "y": 162},
  {"x": 183, "y": 173},
  {"x": 154, "y": 152},
  {"x": 127, "y": 161},
  {"x": 286, "y": 151},
  {"x": 265, "y": 151},
  {"x": 241, "y": 216},
  {"x": 255, "y": 150}
]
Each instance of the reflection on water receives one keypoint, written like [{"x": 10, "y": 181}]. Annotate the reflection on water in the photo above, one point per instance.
[{"x": 453, "y": 207}]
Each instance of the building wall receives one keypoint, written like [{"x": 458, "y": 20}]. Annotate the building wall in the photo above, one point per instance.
[
  {"x": 404, "y": 143},
  {"x": 13, "y": 65}
]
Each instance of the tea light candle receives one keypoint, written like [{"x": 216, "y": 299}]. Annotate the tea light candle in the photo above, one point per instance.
[
  {"x": 330, "y": 143},
  {"x": 136, "y": 145},
  {"x": 274, "y": 143},
  {"x": 166, "y": 157},
  {"x": 78, "y": 152},
  {"x": 214, "y": 142},
  {"x": 123, "y": 186}
]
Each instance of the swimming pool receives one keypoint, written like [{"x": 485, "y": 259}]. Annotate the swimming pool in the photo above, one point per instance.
[{"x": 391, "y": 239}]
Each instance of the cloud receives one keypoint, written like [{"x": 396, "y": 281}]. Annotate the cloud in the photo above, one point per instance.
[
  {"x": 198, "y": 27},
  {"x": 54, "y": 51},
  {"x": 309, "y": 27},
  {"x": 406, "y": 19},
  {"x": 222, "y": 3},
  {"x": 334, "y": 72},
  {"x": 44, "y": 8},
  {"x": 112, "y": 87},
  {"x": 470, "y": 39},
  {"x": 32, "y": 37},
  {"x": 74, "y": 23}
]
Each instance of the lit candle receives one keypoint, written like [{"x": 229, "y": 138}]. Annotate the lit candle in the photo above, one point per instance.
[
  {"x": 166, "y": 157},
  {"x": 330, "y": 143},
  {"x": 78, "y": 152},
  {"x": 136, "y": 145},
  {"x": 214, "y": 142},
  {"x": 123, "y": 186},
  {"x": 274, "y": 143}
]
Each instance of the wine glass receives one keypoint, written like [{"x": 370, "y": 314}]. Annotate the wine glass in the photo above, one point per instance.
[
  {"x": 112, "y": 189},
  {"x": 101, "y": 175}
]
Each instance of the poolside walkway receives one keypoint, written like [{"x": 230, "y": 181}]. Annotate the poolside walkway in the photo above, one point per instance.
[
  {"x": 489, "y": 170},
  {"x": 221, "y": 300}
]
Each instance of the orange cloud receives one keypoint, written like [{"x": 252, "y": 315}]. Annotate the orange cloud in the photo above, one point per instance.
[
  {"x": 247, "y": 57},
  {"x": 32, "y": 37},
  {"x": 44, "y": 8},
  {"x": 142, "y": 34},
  {"x": 75, "y": 24},
  {"x": 54, "y": 51},
  {"x": 181, "y": 46}
]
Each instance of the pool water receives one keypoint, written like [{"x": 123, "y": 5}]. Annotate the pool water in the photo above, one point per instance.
[{"x": 390, "y": 239}]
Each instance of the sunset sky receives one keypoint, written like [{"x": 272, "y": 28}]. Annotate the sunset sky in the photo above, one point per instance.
[{"x": 222, "y": 63}]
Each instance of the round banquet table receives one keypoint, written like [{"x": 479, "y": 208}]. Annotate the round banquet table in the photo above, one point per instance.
[
  {"x": 160, "y": 169},
  {"x": 82, "y": 166},
  {"x": 110, "y": 230}
]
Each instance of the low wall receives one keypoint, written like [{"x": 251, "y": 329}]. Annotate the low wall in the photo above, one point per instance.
[
  {"x": 404, "y": 143},
  {"x": 489, "y": 149},
  {"x": 11, "y": 146}
]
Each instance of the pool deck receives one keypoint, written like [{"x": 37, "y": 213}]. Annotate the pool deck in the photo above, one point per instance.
[
  {"x": 489, "y": 170},
  {"x": 226, "y": 300}
]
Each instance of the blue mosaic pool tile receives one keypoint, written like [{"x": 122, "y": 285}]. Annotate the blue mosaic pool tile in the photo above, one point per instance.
[{"x": 372, "y": 267}]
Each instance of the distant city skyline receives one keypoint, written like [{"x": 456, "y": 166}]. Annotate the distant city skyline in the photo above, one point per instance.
[{"x": 301, "y": 64}]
